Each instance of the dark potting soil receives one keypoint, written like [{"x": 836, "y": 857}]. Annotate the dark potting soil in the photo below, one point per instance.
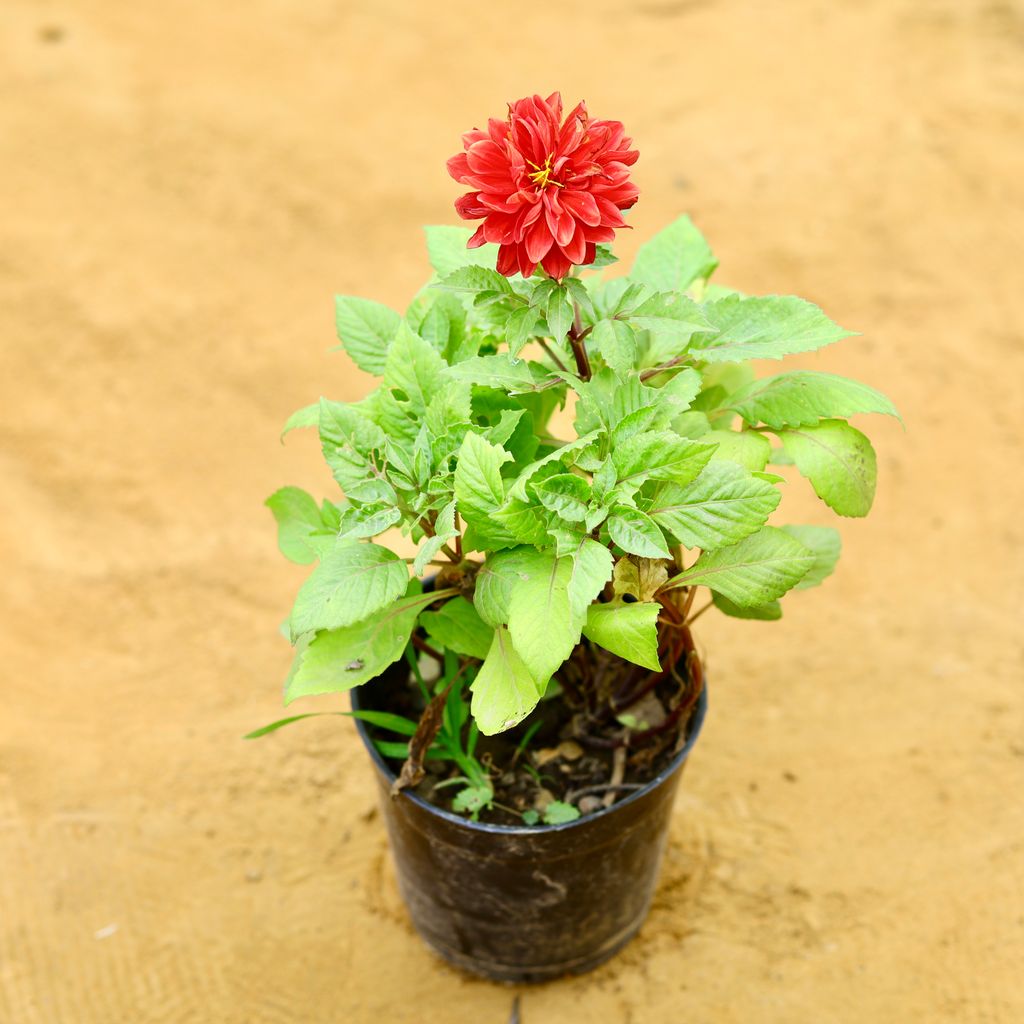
[{"x": 572, "y": 756}]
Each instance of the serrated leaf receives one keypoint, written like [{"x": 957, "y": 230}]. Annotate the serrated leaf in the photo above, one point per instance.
[
  {"x": 640, "y": 578},
  {"x": 764, "y": 327},
  {"x": 628, "y": 630},
  {"x": 479, "y": 488},
  {"x": 413, "y": 371},
  {"x": 565, "y": 454},
  {"x": 636, "y": 533},
  {"x": 308, "y": 416},
  {"x": 759, "y": 569},
  {"x": 476, "y": 279},
  {"x": 347, "y": 437},
  {"x": 675, "y": 317},
  {"x": 616, "y": 342},
  {"x": 519, "y": 328},
  {"x": 660, "y": 455},
  {"x": 559, "y": 314},
  {"x": 298, "y": 520},
  {"x": 352, "y": 582},
  {"x": 365, "y": 330},
  {"x": 504, "y": 691},
  {"x": 825, "y": 543},
  {"x": 804, "y": 397},
  {"x": 770, "y": 612},
  {"x": 362, "y": 521},
  {"x": 500, "y": 370},
  {"x": 444, "y": 531},
  {"x": 524, "y": 520},
  {"x": 579, "y": 294},
  {"x": 458, "y": 627},
  {"x": 446, "y": 246},
  {"x": 339, "y": 659},
  {"x": 674, "y": 258},
  {"x": 839, "y": 462},
  {"x": 565, "y": 494},
  {"x": 722, "y": 506}
]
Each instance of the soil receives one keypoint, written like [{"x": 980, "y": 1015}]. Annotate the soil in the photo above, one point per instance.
[
  {"x": 184, "y": 190},
  {"x": 565, "y": 751}
]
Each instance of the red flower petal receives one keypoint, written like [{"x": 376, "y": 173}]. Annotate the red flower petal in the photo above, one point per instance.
[{"x": 546, "y": 188}]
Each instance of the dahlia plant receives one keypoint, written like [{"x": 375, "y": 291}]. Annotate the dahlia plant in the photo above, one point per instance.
[{"x": 555, "y": 565}]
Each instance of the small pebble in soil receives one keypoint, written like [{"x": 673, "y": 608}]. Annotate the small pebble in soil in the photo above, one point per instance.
[{"x": 589, "y": 804}]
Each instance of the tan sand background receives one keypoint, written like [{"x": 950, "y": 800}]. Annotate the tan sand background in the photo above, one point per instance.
[{"x": 184, "y": 186}]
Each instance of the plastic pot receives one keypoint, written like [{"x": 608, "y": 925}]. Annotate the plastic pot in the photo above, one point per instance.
[{"x": 526, "y": 904}]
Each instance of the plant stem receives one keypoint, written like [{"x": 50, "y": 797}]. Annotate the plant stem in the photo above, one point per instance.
[
  {"x": 655, "y": 370},
  {"x": 422, "y": 645},
  {"x": 698, "y": 613},
  {"x": 552, "y": 354},
  {"x": 579, "y": 350}
]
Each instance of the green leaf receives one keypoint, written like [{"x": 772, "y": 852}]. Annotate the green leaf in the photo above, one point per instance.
[
  {"x": 722, "y": 506},
  {"x": 628, "y": 630},
  {"x": 476, "y": 279},
  {"x": 362, "y": 521},
  {"x": 765, "y": 327},
  {"x": 520, "y": 328},
  {"x": 479, "y": 488},
  {"x": 458, "y": 627},
  {"x": 413, "y": 371},
  {"x": 444, "y": 531},
  {"x": 472, "y": 800},
  {"x": 446, "y": 246},
  {"x": 298, "y": 520},
  {"x": 365, "y": 330},
  {"x": 770, "y": 612},
  {"x": 759, "y": 569},
  {"x": 674, "y": 316},
  {"x": 559, "y": 314},
  {"x": 504, "y": 692},
  {"x": 353, "y": 581},
  {"x": 347, "y": 438},
  {"x": 616, "y": 341},
  {"x": 592, "y": 565},
  {"x": 565, "y": 494},
  {"x": 540, "y": 615},
  {"x": 307, "y": 416},
  {"x": 500, "y": 370},
  {"x": 636, "y": 533},
  {"x": 660, "y": 455},
  {"x": 744, "y": 447},
  {"x": 674, "y": 258},
  {"x": 839, "y": 462},
  {"x": 580, "y": 295},
  {"x": 500, "y": 573},
  {"x": 338, "y": 659},
  {"x": 826, "y": 545},
  {"x": 559, "y": 813},
  {"x": 567, "y": 454},
  {"x": 804, "y": 397}
]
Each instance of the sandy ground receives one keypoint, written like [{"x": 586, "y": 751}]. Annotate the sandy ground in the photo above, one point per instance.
[{"x": 184, "y": 187}]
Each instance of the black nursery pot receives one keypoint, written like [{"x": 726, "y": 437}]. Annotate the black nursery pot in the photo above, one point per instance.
[{"x": 526, "y": 904}]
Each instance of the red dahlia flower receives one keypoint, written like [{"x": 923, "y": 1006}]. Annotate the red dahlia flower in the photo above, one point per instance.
[{"x": 547, "y": 191}]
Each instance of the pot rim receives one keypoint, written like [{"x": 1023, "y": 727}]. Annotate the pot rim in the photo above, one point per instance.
[{"x": 695, "y": 723}]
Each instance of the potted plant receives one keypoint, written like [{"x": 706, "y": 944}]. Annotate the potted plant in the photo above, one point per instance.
[{"x": 575, "y": 459}]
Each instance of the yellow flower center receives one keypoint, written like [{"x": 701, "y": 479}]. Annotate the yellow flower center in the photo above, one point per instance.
[{"x": 542, "y": 175}]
